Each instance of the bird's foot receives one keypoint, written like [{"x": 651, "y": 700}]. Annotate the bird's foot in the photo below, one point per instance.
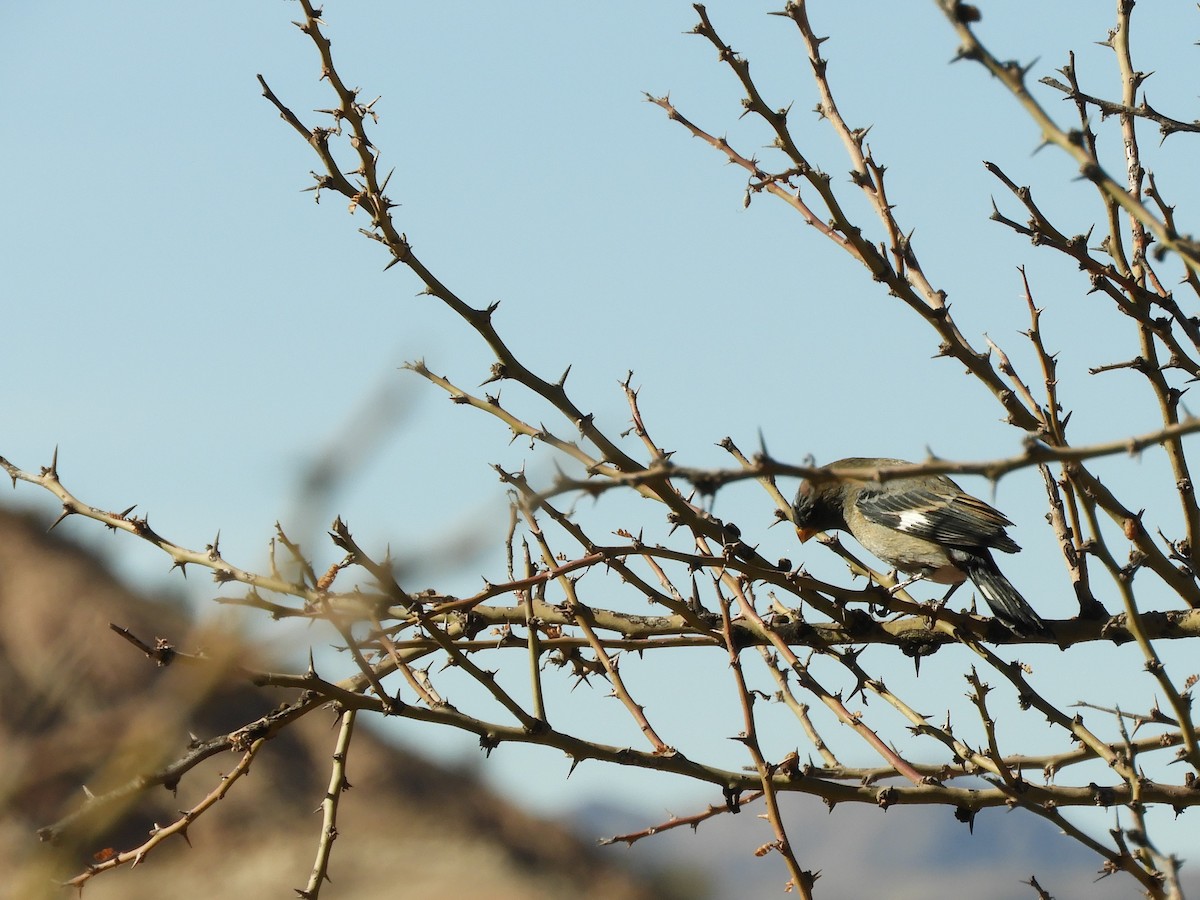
[{"x": 901, "y": 585}]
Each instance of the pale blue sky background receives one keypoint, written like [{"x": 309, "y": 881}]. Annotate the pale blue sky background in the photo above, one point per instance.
[{"x": 192, "y": 330}]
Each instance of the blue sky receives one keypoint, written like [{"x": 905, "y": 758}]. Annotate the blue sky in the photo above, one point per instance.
[{"x": 193, "y": 331}]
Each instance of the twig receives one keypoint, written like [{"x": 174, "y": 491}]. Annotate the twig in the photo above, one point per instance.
[
  {"x": 734, "y": 804},
  {"x": 179, "y": 826},
  {"x": 329, "y": 808},
  {"x": 802, "y": 880}
]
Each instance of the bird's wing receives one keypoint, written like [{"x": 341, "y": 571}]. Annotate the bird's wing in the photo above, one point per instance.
[{"x": 937, "y": 513}]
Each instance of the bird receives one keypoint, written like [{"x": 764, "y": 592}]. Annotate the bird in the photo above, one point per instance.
[{"x": 924, "y": 525}]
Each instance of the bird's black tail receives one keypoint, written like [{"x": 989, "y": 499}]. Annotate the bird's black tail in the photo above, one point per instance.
[{"x": 1008, "y": 606}]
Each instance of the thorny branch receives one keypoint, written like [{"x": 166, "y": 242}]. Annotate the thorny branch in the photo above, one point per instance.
[
  {"x": 178, "y": 827},
  {"x": 338, "y": 784}
]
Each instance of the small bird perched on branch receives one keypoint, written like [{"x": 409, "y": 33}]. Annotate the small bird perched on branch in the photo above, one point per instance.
[{"x": 925, "y": 525}]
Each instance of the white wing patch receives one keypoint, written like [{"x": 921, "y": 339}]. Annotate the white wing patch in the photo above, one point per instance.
[{"x": 913, "y": 520}]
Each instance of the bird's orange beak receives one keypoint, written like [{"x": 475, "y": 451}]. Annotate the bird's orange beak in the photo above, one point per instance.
[{"x": 804, "y": 534}]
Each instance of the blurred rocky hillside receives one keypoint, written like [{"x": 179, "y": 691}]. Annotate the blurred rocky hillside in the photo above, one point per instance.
[{"x": 80, "y": 706}]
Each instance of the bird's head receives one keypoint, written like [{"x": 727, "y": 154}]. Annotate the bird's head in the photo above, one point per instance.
[{"x": 818, "y": 507}]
